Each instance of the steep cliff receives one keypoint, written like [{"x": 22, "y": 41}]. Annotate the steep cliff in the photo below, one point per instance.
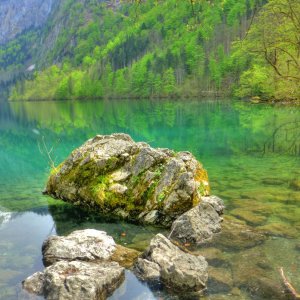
[{"x": 17, "y": 16}]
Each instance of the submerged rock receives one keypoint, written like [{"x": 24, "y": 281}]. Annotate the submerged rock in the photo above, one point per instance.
[
  {"x": 220, "y": 279},
  {"x": 250, "y": 217},
  {"x": 295, "y": 184},
  {"x": 200, "y": 223},
  {"x": 76, "y": 280},
  {"x": 253, "y": 271},
  {"x": 237, "y": 236},
  {"x": 128, "y": 179},
  {"x": 178, "y": 270}
]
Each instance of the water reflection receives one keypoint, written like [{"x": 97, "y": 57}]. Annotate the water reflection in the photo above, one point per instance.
[
  {"x": 20, "y": 250},
  {"x": 134, "y": 289},
  {"x": 5, "y": 217},
  {"x": 67, "y": 219}
]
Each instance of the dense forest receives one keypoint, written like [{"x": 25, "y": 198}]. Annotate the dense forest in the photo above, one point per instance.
[{"x": 104, "y": 49}]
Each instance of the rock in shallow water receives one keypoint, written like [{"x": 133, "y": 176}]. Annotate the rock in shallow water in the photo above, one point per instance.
[
  {"x": 200, "y": 223},
  {"x": 113, "y": 172},
  {"x": 86, "y": 245},
  {"x": 76, "y": 280},
  {"x": 87, "y": 264},
  {"x": 178, "y": 270}
]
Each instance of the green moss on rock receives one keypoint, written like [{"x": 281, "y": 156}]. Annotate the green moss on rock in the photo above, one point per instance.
[{"x": 154, "y": 180}]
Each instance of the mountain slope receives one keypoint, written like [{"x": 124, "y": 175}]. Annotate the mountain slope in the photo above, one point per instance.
[
  {"x": 141, "y": 50},
  {"x": 154, "y": 49},
  {"x": 16, "y": 17}
]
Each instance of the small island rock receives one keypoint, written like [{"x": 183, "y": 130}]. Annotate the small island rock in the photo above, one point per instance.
[{"x": 133, "y": 180}]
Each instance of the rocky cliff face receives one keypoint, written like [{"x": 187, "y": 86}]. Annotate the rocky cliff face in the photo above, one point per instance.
[{"x": 17, "y": 16}]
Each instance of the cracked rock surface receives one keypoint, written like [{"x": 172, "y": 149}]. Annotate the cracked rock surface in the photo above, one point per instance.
[
  {"x": 200, "y": 223},
  {"x": 85, "y": 245},
  {"x": 180, "y": 271},
  {"x": 76, "y": 280},
  {"x": 116, "y": 175},
  {"x": 85, "y": 265}
]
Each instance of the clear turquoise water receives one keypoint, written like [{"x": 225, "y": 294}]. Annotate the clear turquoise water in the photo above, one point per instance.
[{"x": 251, "y": 152}]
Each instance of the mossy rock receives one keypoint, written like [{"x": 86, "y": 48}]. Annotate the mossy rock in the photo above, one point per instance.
[{"x": 113, "y": 173}]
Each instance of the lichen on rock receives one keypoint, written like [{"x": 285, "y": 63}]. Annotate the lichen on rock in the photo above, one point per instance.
[{"x": 116, "y": 175}]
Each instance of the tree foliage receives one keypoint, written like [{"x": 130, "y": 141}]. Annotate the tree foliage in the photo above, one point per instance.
[
  {"x": 274, "y": 45},
  {"x": 172, "y": 48}
]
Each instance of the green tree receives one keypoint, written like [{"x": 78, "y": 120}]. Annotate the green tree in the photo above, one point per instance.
[
  {"x": 257, "y": 81},
  {"x": 275, "y": 39},
  {"x": 169, "y": 82}
]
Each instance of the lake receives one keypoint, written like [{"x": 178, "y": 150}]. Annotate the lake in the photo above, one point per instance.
[{"x": 251, "y": 152}]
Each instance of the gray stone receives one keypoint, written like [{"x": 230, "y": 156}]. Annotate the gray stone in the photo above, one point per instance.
[
  {"x": 216, "y": 202},
  {"x": 200, "y": 223},
  {"x": 177, "y": 270},
  {"x": 86, "y": 245},
  {"x": 87, "y": 264},
  {"x": 76, "y": 280},
  {"x": 113, "y": 172},
  {"x": 151, "y": 217}
]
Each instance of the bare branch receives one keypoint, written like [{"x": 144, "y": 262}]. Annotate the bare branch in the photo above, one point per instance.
[{"x": 290, "y": 289}]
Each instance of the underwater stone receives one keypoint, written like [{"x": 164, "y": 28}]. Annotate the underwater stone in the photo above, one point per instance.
[
  {"x": 113, "y": 172},
  {"x": 236, "y": 235},
  {"x": 220, "y": 279},
  {"x": 295, "y": 184}
]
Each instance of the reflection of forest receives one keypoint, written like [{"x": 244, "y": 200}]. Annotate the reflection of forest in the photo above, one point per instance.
[
  {"x": 203, "y": 127},
  {"x": 274, "y": 128},
  {"x": 285, "y": 138}
]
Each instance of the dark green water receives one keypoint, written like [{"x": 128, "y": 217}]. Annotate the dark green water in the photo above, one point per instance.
[{"x": 251, "y": 152}]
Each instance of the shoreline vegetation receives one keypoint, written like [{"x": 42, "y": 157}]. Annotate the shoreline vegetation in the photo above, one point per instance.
[{"x": 169, "y": 49}]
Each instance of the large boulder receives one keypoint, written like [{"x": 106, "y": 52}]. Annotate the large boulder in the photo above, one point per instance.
[
  {"x": 74, "y": 280},
  {"x": 200, "y": 223},
  {"x": 131, "y": 180},
  {"x": 180, "y": 271}
]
